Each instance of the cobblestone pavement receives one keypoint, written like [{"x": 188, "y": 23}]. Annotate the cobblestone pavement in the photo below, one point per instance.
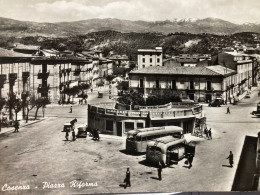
[{"x": 39, "y": 153}]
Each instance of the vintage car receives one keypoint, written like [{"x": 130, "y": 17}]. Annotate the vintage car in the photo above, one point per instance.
[
  {"x": 67, "y": 127},
  {"x": 216, "y": 103},
  {"x": 100, "y": 95},
  {"x": 82, "y": 132},
  {"x": 257, "y": 112}
]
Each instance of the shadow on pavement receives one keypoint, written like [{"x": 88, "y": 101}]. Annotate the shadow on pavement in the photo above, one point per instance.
[
  {"x": 148, "y": 164},
  {"x": 155, "y": 178},
  {"x": 226, "y": 166},
  {"x": 130, "y": 153}
]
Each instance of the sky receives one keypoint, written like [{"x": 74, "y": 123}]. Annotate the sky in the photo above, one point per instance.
[{"x": 236, "y": 11}]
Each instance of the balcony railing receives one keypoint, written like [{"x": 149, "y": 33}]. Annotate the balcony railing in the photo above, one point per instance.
[
  {"x": 43, "y": 89},
  {"x": 43, "y": 75},
  {"x": 77, "y": 71},
  {"x": 2, "y": 80},
  {"x": 26, "y": 75}
]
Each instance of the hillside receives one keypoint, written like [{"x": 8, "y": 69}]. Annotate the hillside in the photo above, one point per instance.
[{"x": 9, "y": 27}]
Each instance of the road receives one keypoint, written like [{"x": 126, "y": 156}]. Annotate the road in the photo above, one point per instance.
[{"x": 39, "y": 153}]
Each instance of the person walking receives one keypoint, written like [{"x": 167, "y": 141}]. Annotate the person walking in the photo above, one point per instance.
[
  {"x": 206, "y": 132},
  {"x": 127, "y": 178},
  {"x": 70, "y": 109},
  {"x": 67, "y": 135},
  {"x": 228, "y": 110},
  {"x": 190, "y": 159},
  {"x": 209, "y": 133},
  {"x": 230, "y": 157},
  {"x": 97, "y": 135},
  {"x": 159, "y": 170},
  {"x": 16, "y": 126},
  {"x": 73, "y": 135}
]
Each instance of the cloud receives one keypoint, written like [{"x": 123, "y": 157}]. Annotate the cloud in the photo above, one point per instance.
[{"x": 237, "y": 11}]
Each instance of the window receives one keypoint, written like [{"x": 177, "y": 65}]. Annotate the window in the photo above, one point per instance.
[
  {"x": 151, "y": 65},
  {"x": 143, "y": 60},
  {"x": 208, "y": 85},
  {"x": 141, "y": 83},
  {"x": 129, "y": 126},
  {"x": 157, "y": 84},
  {"x": 173, "y": 84},
  {"x": 143, "y": 66},
  {"x": 109, "y": 125},
  {"x": 191, "y": 84},
  {"x": 140, "y": 125},
  {"x": 151, "y": 60},
  {"x": 158, "y": 60}
]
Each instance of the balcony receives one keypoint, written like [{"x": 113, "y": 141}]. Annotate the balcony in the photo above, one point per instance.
[
  {"x": 2, "y": 80},
  {"x": 12, "y": 76},
  {"x": 77, "y": 72},
  {"x": 43, "y": 89},
  {"x": 26, "y": 75},
  {"x": 189, "y": 90},
  {"x": 43, "y": 75},
  {"x": 68, "y": 70}
]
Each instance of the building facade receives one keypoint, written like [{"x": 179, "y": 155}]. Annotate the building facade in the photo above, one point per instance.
[
  {"x": 195, "y": 83},
  {"x": 150, "y": 57},
  {"x": 110, "y": 120}
]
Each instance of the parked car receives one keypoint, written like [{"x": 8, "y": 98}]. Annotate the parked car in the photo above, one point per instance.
[
  {"x": 100, "y": 95},
  {"x": 216, "y": 103},
  {"x": 82, "y": 132},
  {"x": 247, "y": 95}
]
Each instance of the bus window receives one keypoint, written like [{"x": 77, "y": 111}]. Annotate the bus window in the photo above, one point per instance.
[
  {"x": 154, "y": 148},
  {"x": 138, "y": 138},
  {"x": 131, "y": 137}
]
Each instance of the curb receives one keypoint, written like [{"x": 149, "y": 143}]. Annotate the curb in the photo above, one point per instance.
[{"x": 25, "y": 125}]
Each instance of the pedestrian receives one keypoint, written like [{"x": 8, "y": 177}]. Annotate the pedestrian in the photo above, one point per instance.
[
  {"x": 159, "y": 170},
  {"x": 70, "y": 109},
  {"x": 73, "y": 135},
  {"x": 206, "y": 132},
  {"x": 16, "y": 126},
  {"x": 127, "y": 178},
  {"x": 228, "y": 110},
  {"x": 67, "y": 135},
  {"x": 85, "y": 101},
  {"x": 190, "y": 159},
  {"x": 209, "y": 133},
  {"x": 79, "y": 101},
  {"x": 97, "y": 135},
  {"x": 230, "y": 157}
]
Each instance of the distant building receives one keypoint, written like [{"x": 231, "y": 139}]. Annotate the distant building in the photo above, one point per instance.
[
  {"x": 195, "y": 83},
  {"x": 150, "y": 57},
  {"x": 191, "y": 60}
]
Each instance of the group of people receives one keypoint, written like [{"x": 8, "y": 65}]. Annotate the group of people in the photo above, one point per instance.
[
  {"x": 73, "y": 130},
  {"x": 81, "y": 101},
  {"x": 159, "y": 168},
  {"x": 208, "y": 133},
  {"x": 95, "y": 134}
]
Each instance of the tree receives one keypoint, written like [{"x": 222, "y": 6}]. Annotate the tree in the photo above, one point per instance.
[
  {"x": 82, "y": 90},
  {"x": 40, "y": 102},
  {"x": 2, "y": 103},
  {"x": 124, "y": 85},
  {"x": 71, "y": 91},
  {"x": 109, "y": 78},
  {"x": 30, "y": 103},
  {"x": 14, "y": 103}
]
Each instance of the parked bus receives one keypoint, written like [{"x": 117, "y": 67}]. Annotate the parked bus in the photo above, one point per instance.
[
  {"x": 137, "y": 139},
  {"x": 168, "y": 149}
]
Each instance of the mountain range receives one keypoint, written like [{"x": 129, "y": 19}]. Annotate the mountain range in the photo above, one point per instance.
[{"x": 10, "y": 27}]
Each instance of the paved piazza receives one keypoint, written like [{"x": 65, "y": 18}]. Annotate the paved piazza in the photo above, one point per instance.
[{"x": 39, "y": 153}]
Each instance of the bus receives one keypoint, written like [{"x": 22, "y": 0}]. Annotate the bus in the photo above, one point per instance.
[
  {"x": 136, "y": 140},
  {"x": 168, "y": 149}
]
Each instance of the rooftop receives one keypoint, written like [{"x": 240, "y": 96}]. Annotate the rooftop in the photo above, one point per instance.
[
  {"x": 172, "y": 70},
  {"x": 11, "y": 53}
]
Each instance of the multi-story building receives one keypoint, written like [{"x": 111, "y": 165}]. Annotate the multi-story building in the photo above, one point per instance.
[
  {"x": 196, "y": 83},
  {"x": 150, "y": 57},
  {"x": 242, "y": 64}
]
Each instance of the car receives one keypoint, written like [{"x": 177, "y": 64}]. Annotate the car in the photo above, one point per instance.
[
  {"x": 82, "y": 132},
  {"x": 100, "y": 95},
  {"x": 247, "y": 95},
  {"x": 216, "y": 103}
]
